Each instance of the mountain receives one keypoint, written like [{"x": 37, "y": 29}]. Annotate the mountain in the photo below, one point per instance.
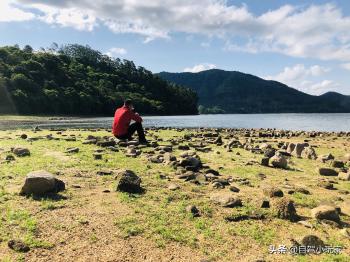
[
  {"x": 235, "y": 92},
  {"x": 77, "y": 80}
]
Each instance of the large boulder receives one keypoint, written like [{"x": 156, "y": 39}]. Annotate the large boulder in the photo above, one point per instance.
[
  {"x": 279, "y": 161},
  {"x": 312, "y": 241},
  {"x": 290, "y": 147},
  {"x": 226, "y": 200},
  {"x": 325, "y": 171},
  {"x": 284, "y": 209},
  {"x": 21, "y": 151},
  {"x": 309, "y": 153},
  {"x": 299, "y": 147},
  {"x": 325, "y": 212},
  {"x": 128, "y": 181},
  {"x": 40, "y": 183},
  {"x": 191, "y": 161}
]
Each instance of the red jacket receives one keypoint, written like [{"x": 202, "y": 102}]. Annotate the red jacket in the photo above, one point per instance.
[{"x": 122, "y": 119}]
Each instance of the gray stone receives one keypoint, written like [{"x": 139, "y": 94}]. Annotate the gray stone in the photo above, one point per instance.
[
  {"x": 40, "y": 183},
  {"x": 71, "y": 150},
  {"x": 193, "y": 210},
  {"x": 18, "y": 245},
  {"x": 312, "y": 240},
  {"x": 278, "y": 161},
  {"x": 225, "y": 200},
  {"x": 173, "y": 187},
  {"x": 285, "y": 209},
  {"x": 20, "y": 151},
  {"x": 325, "y": 212},
  {"x": 128, "y": 181},
  {"x": 325, "y": 171}
]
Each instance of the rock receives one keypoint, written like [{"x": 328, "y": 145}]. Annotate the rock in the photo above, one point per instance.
[
  {"x": 168, "y": 157},
  {"x": 234, "y": 189},
  {"x": 212, "y": 171},
  {"x": 21, "y": 152},
  {"x": 97, "y": 156},
  {"x": 106, "y": 143},
  {"x": 193, "y": 210},
  {"x": 189, "y": 175},
  {"x": 312, "y": 241},
  {"x": 128, "y": 181},
  {"x": 309, "y": 153},
  {"x": 71, "y": 150},
  {"x": 173, "y": 187},
  {"x": 326, "y": 184},
  {"x": 89, "y": 142},
  {"x": 272, "y": 192},
  {"x": 201, "y": 178},
  {"x": 40, "y": 183},
  {"x": 278, "y": 161},
  {"x": 265, "y": 204},
  {"x": 24, "y": 136},
  {"x": 337, "y": 164},
  {"x": 191, "y": 161},
  {"x": 269, "y": 152},
  {"x": 324, "y": 171},
  {"x": 225, "y": 200},
  {"x": 299, "y": 147},
  {"x": 132, "y": 152},
  {"x": 284, "y": 209},
  {"x": 325, "y": 158},
  {"x": 265, "y": 161},
  {"x": 18, "y": 246},
  {"x": 344, "y": 176},
  {"x": 104, "y": 172},
  {"x": 183, "y": 147},
  {"x": 217, "y": 185},
  {"x": 325, "y": 212},
  {"x": 290, "y": 147},
  {"x": 10, "y": 158},
  {"x": 305, "y": 224}
]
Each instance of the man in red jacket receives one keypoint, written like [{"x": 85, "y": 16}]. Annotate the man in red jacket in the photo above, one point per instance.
[{"x": 121, "y": 125}]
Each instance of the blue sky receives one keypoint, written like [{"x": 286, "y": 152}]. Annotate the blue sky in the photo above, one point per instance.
[{"x": 305, "y": 44}]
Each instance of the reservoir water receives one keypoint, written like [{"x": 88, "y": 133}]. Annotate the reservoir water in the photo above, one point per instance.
[{"x": 307, "y": 122}]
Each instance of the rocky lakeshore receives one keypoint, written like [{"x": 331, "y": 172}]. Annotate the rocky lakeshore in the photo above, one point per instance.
[{"x": 190, "y": 195}]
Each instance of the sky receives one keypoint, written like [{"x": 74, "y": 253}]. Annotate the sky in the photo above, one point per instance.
[{"x": 304, "y": 44}]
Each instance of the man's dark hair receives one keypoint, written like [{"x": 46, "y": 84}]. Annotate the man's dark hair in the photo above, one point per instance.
[{"x": 127, "y": 102}]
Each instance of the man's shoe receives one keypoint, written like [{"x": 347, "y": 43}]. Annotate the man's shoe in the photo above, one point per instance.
[{"x": 144, "y": 142}]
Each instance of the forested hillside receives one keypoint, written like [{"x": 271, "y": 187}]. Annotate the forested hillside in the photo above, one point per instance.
[
  {"x": 222, "y": 91},
  {"x": 78, "y": 80}
]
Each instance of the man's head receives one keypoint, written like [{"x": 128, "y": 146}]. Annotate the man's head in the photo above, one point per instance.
[{"x": 128, "y": 104}]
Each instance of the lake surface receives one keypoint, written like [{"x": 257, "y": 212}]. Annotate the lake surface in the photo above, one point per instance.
[{"x": 308, "y": 122}]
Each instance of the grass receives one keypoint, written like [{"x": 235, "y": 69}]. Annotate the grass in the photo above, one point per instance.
[{"x": 157, "y": 218}]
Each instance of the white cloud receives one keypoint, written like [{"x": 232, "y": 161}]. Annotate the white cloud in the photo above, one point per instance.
[
  {"x": 317, "y": 31},
  {"x": 323, "y": 86},
  {"x": 199, "y": 68},
  {"x": 346, "y": 66},
  {"x": 116, "y": 51},
  {"x": 10, "y": 13},
  {"x": 305, "y": 78}
]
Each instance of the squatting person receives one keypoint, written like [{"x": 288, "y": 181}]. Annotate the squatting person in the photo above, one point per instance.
[{"x": 122, "y": 128}]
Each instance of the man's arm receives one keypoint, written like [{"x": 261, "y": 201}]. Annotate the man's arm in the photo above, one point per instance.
[{"x": 136, "y": 117}]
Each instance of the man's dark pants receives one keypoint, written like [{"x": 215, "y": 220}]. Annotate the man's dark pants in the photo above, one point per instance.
[{"x": 137, "y": 126}]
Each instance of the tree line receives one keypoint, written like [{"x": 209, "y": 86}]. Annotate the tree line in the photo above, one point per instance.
[{"x": 78, "y": 80}]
